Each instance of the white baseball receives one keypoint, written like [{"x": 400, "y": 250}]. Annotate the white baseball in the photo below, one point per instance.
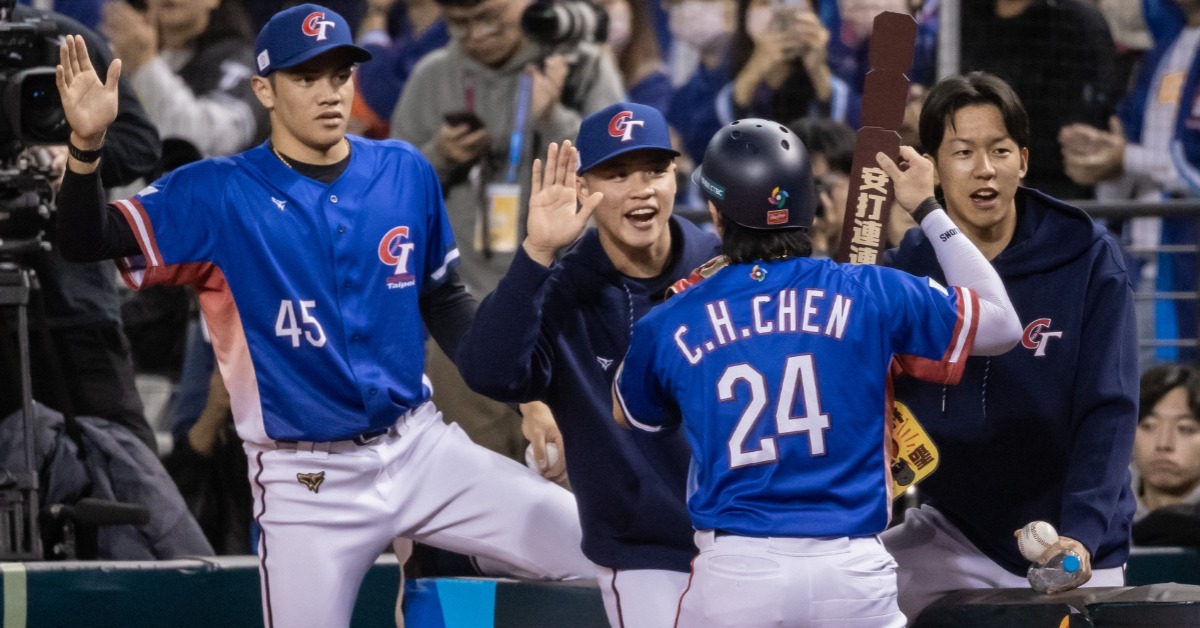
[
  {"x": 1035, "y": 538},
  {"x": 551, "y": 457}
]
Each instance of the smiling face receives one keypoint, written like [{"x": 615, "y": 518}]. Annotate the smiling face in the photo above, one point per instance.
[
  {"x": 309, "y": 103},
  {"x": 639, "y": 195},
  {"x": 979, "y": 166},
  {"x": 1166, "y": 447}
]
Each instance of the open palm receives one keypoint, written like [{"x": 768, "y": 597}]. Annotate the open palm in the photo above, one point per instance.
[
  {"x": 553, "y": 220},
  {"x": 90, "y": 105}
]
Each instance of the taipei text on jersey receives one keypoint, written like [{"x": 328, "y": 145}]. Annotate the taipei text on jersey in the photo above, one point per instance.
[
  {"x": 780, "y": 374},
  {"x": 326, "y": 280}
]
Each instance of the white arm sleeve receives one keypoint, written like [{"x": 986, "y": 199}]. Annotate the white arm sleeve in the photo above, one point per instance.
[{"x": 999, "y": 328}]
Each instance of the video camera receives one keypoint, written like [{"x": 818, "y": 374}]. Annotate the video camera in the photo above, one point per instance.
[
  {"x": 31, "y": 114},
  {"x": 564, "y": 24}
]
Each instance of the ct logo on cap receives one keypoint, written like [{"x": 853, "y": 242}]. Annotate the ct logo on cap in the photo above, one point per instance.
[
  {"x": 315, "y": 25},
  {"x": 622, "y": 125}
]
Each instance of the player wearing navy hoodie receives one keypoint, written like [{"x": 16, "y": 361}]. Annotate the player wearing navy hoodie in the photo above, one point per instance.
[
  {"x": 1045, "y": 431},
  {"x": 555, "y": 332}
]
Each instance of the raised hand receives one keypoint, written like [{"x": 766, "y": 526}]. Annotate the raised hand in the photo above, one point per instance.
[
  {"x": 132, "y": 34},
  {"x": 555, "y": 217},
  {"x": 547, "y": 85},
  {"x": 913, "y": 184},
  {"x": 90, "y": 105},
  {"x": 1091, "y": 155}
]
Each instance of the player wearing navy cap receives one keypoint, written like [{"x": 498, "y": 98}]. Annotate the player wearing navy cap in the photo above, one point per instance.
[
  {"x": 336, "y": 253},
  {"x": 777, "y": 366},
  {"x": 554, "y": 330}
]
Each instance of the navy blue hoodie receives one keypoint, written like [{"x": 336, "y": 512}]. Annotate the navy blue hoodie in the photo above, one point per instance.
[
  {"x": 557, "y": 335},
  {"x": 1046, "y": 430}
]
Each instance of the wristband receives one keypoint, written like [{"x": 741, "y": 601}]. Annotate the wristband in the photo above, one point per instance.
[
  {"x": 86, "y": 156},
  {"x": 927, "y": 206}
]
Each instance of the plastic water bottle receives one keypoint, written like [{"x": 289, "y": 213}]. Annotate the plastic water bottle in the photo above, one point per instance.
[{"x": 1061, "y": 573}]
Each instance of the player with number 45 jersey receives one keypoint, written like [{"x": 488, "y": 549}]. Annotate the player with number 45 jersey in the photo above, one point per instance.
[
  {"x": 322, "y": 258},
  {"x": 778, "y": 367}
]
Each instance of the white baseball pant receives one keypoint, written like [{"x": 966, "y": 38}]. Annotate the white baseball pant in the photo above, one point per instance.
[
  {"x": 935, "y": 558},
  {"x": 641, "y": 598},
  {"x": 423, "y": 480},
  {"x": 750, "y": 582}
]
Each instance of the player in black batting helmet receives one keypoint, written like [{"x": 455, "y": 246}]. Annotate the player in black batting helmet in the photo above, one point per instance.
[
  {"x": 756, "y": 173},
  {"x": 758, "y": 181}
]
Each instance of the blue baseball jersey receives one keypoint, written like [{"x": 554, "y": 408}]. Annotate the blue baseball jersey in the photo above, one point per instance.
[
  {"x": 780, "y": 374},
  {"x": 326, "y": 340}
]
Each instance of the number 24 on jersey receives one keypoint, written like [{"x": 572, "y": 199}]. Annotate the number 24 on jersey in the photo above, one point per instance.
[{"x": 799, "y": 375}]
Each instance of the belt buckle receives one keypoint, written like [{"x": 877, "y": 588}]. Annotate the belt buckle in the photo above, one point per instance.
[{"x": 366, "y": 438}]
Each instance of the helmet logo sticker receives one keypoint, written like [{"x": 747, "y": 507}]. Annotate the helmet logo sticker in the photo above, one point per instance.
[{"x": 778, "y": 197}]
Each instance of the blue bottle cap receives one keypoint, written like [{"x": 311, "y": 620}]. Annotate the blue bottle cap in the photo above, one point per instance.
[{"x": 1070, "y": 563}]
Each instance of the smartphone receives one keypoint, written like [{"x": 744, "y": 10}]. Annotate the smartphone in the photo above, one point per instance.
[
  {"x": 459, "y": 118},
  {"x": 784, "y": 14}
]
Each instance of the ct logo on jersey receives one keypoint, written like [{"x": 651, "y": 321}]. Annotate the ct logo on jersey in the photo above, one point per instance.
[
  {"x": 622, "y": 125},
  {"x": 779, "y": 199},
  {"x": 1037, "y": 337},
  {"x": 315, "y": 25},
  {"x": 395, "y": 250}
]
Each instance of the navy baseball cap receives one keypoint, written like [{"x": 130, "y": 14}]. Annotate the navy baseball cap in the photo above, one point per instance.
[
  {"x": 300, "y": 33},
  {"x": 619, "y": 129}
]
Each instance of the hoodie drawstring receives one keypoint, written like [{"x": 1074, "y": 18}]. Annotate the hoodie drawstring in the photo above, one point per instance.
[
  {"x": 987, "y": 370},
  {"x": 629, "y": 302}
]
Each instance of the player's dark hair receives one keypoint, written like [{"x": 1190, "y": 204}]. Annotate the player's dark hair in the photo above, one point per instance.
[
  {"x": 742, "y": 245},
  {"x": 824, "y": 136},
  {"x": 1159, "y": 380},
  {"x": 976, "y": 88}
]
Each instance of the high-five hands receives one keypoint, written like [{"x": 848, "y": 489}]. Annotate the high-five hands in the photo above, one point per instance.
[
  {"x": 555, "y": 217},
  {"x": 90, "y": 106}
]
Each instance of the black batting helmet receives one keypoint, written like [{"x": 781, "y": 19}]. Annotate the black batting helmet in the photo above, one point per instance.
[{"x": 757, "y": 174}]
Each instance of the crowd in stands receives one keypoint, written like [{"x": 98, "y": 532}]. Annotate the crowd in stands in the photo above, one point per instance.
[{"x": 1111, "y": 87}]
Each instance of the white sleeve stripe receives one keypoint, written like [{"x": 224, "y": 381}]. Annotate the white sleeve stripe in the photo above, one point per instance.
[
  {"x": 967, "y": 304},
  {"x": 142, "y": 234},
  {"x": 625, "y": 410},
  {"x": 641, "y": 426},
  {"x": 136, "y": 277},
  {"x": 441, "y": 271}
]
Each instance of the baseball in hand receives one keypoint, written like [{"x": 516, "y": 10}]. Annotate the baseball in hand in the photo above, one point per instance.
[
  {"x": 1035, "y": 538},
  {"x": 551, "y": 457}
]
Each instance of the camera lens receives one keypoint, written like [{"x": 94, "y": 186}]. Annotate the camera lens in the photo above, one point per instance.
[
  {"x": 42, "y": 116},
  {"x": 564, "y": 22}
]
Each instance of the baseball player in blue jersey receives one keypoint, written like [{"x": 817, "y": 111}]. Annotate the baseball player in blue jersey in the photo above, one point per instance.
[
  {"x": 778, "y": 365},
  {"x": 335, "y": 251}
]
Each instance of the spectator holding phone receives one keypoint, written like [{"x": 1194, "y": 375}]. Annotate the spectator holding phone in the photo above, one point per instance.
[
  {"x": 480, "y": 110},
  {"x": 780, "y": 65}
]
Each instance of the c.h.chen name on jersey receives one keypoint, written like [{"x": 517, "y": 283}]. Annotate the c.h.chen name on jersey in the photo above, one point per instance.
[{"x": 817, "y": 314}]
